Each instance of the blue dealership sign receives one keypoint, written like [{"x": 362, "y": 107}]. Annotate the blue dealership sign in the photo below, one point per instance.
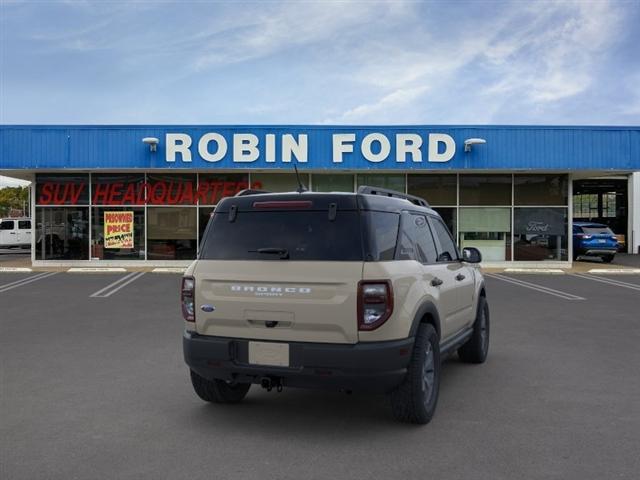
[{"x": 386, "y": 148}]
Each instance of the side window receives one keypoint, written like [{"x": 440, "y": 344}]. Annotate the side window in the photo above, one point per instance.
[
  {"x": 406, "y": 240},
  {"x": 447, "y": 251},
  {"x": 416, "y": 241},
  {"x": 6, "y": 225},
  {"x": 383, "y": 234},
  {"x": 24, "y": 225}
]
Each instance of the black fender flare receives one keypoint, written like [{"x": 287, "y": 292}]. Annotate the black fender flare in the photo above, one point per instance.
[{"x": 427, "y": 308}]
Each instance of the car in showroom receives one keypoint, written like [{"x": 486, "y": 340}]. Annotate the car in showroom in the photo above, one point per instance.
[{"x": 594, "y": 240}]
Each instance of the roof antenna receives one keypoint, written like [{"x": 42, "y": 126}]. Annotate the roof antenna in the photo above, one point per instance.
[{"x": 301, "y": 187}]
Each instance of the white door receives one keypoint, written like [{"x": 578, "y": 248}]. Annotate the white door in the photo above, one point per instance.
[
  {"x": 24, "y": 232},
  {"x": 460, "y": 276},
  {"x": 8, "y": 235}
]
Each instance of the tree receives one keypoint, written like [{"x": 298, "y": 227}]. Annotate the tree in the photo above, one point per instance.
[{"x": 13, "y": 198}]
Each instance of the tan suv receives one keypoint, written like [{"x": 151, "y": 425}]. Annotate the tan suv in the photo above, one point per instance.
[{"x": 349, "y": 291}]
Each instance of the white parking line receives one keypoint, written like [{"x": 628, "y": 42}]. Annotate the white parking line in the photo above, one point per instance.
[
  {"x": 117, "y": 285},
  {"x": 25, "y": 281},
  {"x": 609, "y": 281},
  {"x": 536, "y": 287}
]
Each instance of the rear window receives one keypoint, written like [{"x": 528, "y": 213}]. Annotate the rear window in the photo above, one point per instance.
[
  {"x": 597, "y": 230},
  {"x": 284, "y": 235}
]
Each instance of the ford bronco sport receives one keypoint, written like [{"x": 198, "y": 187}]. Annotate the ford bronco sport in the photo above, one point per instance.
[{"x": 352, "y": 291}]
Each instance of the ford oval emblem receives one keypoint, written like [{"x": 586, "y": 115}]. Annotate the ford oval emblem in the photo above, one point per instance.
[{"x": 207, "y": 308}]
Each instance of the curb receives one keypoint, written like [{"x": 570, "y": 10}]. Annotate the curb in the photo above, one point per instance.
[
  {"x": 606, "y": 271},
  {"x": 96, "y": 270},
  {"x": 544, "y": 271},
  {"x": 169, "y": 270}
]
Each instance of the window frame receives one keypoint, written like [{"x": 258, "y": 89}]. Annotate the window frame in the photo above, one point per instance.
[
  {"x": 406, "y": 214},
  {"x": 432, "y": 219}
]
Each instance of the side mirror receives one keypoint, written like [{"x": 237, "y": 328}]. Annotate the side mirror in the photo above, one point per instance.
[{"x": 471, "y": 255}]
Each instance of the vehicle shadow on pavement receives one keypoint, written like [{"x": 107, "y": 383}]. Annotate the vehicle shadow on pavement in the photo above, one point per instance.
[{"x": 314, "y": 413}]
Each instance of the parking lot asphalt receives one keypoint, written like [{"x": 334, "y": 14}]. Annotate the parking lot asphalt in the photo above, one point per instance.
[{"x": 95, "y": 387}]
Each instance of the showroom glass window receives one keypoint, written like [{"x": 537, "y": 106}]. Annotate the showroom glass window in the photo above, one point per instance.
[
  {"x": 482, "y": 222},
  {"x": 112, "y": 196},
  {"x": 172, "y": 232},
  {"x": 540, "y": 232},
  {"x": 390, "y": 181},
  {"x": 101, "y": 226},
  {"x": 441, "y": 192},
  {"x": 117, "y": 189},
  {"x": 488, "y": 229},
  {"x": 541, "y": 190},
  {"x": 279, "y": 182},
  {"x": 490, "y": 190},
  {"x": 62, "y": 216},
  {"x": 332, "y": 183},
  {"x": 214, "y": 187},
  {"x": 171, "y": 189}
]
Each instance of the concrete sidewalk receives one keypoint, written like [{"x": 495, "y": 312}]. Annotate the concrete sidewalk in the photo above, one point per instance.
[{"x": 11, "y": 259}]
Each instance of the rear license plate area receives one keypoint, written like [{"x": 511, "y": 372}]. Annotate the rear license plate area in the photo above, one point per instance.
[{"x": 269, "y": 353}]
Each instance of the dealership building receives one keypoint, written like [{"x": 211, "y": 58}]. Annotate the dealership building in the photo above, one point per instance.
[{"x": 514, "y": 192}]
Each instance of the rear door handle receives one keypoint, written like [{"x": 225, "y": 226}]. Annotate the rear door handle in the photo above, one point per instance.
[
  {"x": 436, "y": 282},
  {"x": 460, "y": 277}
]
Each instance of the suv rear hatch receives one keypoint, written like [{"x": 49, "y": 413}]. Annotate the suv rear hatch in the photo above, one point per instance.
[
  {"x": 281, "y": 267},
  {"x": 595, "y": 237}
]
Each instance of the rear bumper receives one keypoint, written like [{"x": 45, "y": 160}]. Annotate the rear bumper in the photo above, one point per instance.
[
  {"x": 598, "y": 251},
  {"x": 374, "y": 367}
]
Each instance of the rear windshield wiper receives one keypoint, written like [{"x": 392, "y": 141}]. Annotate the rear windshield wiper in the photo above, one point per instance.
[{"x": 283, "y": 252}]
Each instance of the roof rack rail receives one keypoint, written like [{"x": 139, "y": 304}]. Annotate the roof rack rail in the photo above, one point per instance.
[
  {"x": 385, "y": 192},
  {"x": 250, "y": 191}
]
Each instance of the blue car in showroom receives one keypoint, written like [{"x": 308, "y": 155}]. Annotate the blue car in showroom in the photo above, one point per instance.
[{"x": 594, "y": 239}]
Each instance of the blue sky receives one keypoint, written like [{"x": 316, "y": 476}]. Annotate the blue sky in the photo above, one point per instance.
[{"x": 323, "y": 62}]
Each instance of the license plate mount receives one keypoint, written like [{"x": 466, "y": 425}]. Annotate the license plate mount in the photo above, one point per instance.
[{"x": 269, "y": 354}]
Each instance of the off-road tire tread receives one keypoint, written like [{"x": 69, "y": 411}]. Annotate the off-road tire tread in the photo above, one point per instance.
[
  {"x": 406, "y": 401},
  {"x": 471, "y": 351},
  {"x": 218, "y": 391}
]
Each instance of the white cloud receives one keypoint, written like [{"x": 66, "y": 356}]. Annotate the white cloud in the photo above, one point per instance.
[
  {"x": 259, "y": 33},
  {"x": 12, "y": 182},
  {"x": 531, "y": 54},
  {"x": 387, "y": 104},
  {"x": 554, "y": 56}
]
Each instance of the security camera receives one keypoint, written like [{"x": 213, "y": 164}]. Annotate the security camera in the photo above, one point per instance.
[
  {"x": 152, "y": 142},
  {"x": 473, "y": 141}
]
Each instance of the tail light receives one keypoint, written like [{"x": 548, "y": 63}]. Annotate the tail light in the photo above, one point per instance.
[
  {"x": 584, "y": 237},
  {"x": 187, "y": 299},
  {"x": 375, "y": 303}
]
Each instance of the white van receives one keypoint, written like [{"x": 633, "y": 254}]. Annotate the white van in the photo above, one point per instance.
[{"x": 15, "y": 232}]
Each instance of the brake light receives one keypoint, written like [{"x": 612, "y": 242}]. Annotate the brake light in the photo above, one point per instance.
[
  {"x": 583, "y": 236},
  {"x": 187, "y": 299},
  {"x": 284, "y": 204},
  {"x": 375, "y": 303}
]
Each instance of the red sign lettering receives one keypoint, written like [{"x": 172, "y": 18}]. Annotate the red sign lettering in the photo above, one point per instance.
[{"x": 156, "y": 193}]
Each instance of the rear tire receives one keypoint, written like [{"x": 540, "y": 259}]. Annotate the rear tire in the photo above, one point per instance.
[
  {"x": 475, "y": 350},
  {"x": 415, "y": 400},
  {"x": 218, "y": 391},
  {"x": 608, "y": 258}
]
